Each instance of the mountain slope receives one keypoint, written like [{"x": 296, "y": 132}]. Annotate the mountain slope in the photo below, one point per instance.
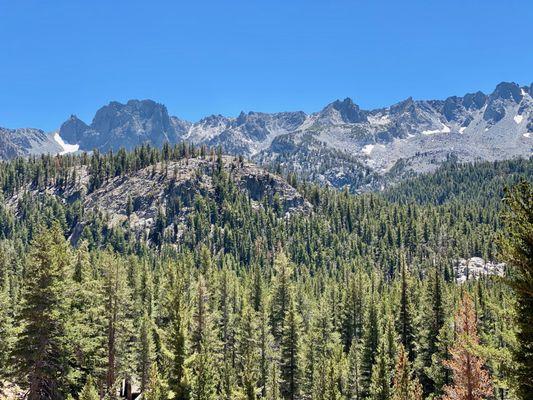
[
  {"x": 25, "y": 142},
  {"x": 172, "y": 187},
  {"x": 341, "y": 145}
]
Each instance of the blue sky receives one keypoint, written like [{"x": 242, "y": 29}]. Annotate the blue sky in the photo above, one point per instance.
[{"x": 203, "y": 57}]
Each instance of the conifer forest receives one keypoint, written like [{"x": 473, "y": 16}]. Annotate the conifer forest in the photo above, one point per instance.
[{"x": 221, "y": 293}]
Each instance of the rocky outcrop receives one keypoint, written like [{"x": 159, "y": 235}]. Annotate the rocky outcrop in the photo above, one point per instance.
[
  {"x": 152, "y": 188},
  {"x": 475, "y": 268}
]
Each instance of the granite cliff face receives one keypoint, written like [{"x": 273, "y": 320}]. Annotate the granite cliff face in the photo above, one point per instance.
[
  {"x": 124, "y": 125},
  {"x": 341, "y": 145},
  {"x": 154, "y": 188}
]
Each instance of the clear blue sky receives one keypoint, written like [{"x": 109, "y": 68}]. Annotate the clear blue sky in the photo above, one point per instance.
[{"x": 67, "y": 57}]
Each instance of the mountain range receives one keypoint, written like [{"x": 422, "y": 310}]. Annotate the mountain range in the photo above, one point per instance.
[{"x": 341, "y": 145}]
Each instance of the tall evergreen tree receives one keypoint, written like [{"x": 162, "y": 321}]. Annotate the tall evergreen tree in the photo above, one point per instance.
[
  {"x": 154, "y": 389},
  {"x": 518, "y": 250},
  {"x": 41, "y": 351},
  {"x": 405, "y": 319},
  {"x": 370, "y": 345},
  {"x": 380, "y": 384},
  {"x": 441, "y": 375},
  {"x": 470, "y": 379},
  {"x": 281, "y": 295},
  {"x": 176, "y": 343},
  {"x": 119, "y": 322},
  {"x": 405, "y": 386},
  {"x": 247, "y": 354},
  {"x": 431, "y": 324},
  {"x": 204, "y": 382},
  {"x": 354, "y": 373},
  {"x": 290, "y": 369},
  {"x": 6, "y": 334},
  {"x": 146, "y": 350}
]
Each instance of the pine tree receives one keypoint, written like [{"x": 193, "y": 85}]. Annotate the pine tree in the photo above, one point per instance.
[
  {"x": 119, "y": 321},
  {"x": 155, "y": 389},
  {"x": 265, "y": 351},
  {"x": 82, "y": 265},
  {"x": 41, "y": 351},
  {"x": 370, "y": 346},
  {"x": 280, "y": 300},
  {"x": 432, "y": 322},
  {"x": 405, "y": 386},
  {"x": 290, "y": 370},
  {"x": 332, "y": 391},
  {"x": 87, "y": 318},
  {"x": 380, "y": 384},
  {"x": 89, "y": 391},
  {"x": 273, "y": 391},
  {"x": 226, "y": 324},
  {"x": 405, "y": 320},
  {"x": 146, "y": 351},
  {"x": 129, "y": 206},
  {"x": 354, "y": 373},
  {"x": 352, "y": 318},
  {"x": 517, "y": 247},
  {"x": 438, "y": 372},
  {"x": 6, "y": 333},
  {"x": 203, "y": 385},
  {"x": 176, "y": 344},
  {"x": 247, "y": 354},
  {"x": 470, "y": 379}
]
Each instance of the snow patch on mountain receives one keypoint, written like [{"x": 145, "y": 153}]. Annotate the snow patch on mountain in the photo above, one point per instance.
[
  {"x": 67, "y": 148},
  {"x": 518, "y": 118},
  {"x": 444, "y": 129}
]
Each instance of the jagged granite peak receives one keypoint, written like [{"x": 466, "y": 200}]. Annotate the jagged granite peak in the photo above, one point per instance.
[
  {"x": 345, "y": 111},
  {"x": 127, "y": 125},
  {"x": 458, "y": 109},
  {"x": 505, "y": 92},
  {"x": 73, "y": 130},
  {"x": 136, "y": 122},
  {"x": 331, "y": 145},
  {"x": 474, "y": 101},
  {"x": 407, "y": 106}
]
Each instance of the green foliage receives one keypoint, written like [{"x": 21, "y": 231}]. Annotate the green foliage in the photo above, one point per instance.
[
  {"x": 89, "y": 391},
  {"x": 41, "y": 351},
  {"x": 154, "y": 389},
  {"x": 227, "y": 298},
  {"x": 518, "y": 250}
]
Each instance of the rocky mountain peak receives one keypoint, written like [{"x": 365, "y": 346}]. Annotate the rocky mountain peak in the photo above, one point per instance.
[
  {"x": 213, "y": 119},
  {"x": 343, "y": 111},
  {"x": 25, "y": 142},
  {"x": 73, "y": 130},
  {"x": 507, "y": 91},
  {"x": 474, "y": 101},
  {"x": 405, "y": 106}
]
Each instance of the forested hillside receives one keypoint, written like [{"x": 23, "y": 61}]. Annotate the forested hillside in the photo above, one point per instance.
[{"x": 230, "y": 291}]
